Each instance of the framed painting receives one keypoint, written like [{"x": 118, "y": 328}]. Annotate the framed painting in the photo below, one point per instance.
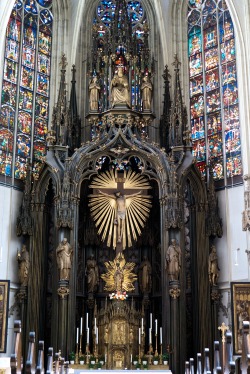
[
  {"x": 4, "y": 306},
  {"x": 240, "y": 311}
]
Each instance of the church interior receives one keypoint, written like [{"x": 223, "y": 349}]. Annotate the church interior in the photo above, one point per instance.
[{"x": 124, "y": 181}]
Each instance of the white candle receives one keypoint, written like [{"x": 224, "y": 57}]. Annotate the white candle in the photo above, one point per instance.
[
  {"x": 87, "y": 321},
  {"x": 160, "y": 335},
  {"x": 77, "y": 333},
  {"x": 139, "y": 335},
  {"x": 156, "y": 327},
  {"x": 97, "y": 335},
  {"x": 151, "y": 321},
  {"x": 95, "y": 325},
  {"x": 87, "y": 335},
  {"x": 81, "y": 326},
  {"x": 150, "y": 335},
  {"x": 105, "y": 358},
  {"x": 142, "y": 326}
]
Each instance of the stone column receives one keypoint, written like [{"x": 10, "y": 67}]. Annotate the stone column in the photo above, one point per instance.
[
  {"x": 174, "y": 292},
  {"x": 63, "y": 293}
]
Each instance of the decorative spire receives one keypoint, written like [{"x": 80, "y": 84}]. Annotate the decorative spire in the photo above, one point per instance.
[
  {"x": 74, "y": 133},
  {"x": 178, "y": 116},
  {"x": 214, "y": 222},
  {"x": 165, "y": 118}
]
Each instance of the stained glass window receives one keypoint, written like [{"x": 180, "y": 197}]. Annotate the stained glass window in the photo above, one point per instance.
[
  {"x": 25, "y": 90},
  {"x": 214, "y": 103}
]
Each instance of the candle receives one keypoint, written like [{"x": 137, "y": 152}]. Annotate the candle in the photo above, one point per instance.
[
  {"x": 81, "y": 327},
  {"x": 77, "y": 333},
  {"x": 151, "y": 321},
  {"x": 160, "y": 335},
  {"x": 87, "y": 321},
  {"x": 96, "y": 335},
  {"x": 142, "y": 326},
  {"x": 105, "y": 358},
  {"x": 156, "y": 327},
  {"x": 139, "y": 335},
  {"x": 95, "y": 325},
  {"x": 87, "y": 335},
  {"x": 150, "y": 335}
]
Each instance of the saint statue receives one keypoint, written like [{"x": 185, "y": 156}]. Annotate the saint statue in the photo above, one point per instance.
[
  {"x": 173, "y": 260},
  {"x": 120, "y": 88},
  {"x": 23, "y": 259},
  {"x": 146, "y": 89},
  {"x": 94, "y": 92},
  {"x": 92, "y": 274},
  {"x": 118, "y": 277},
  {"x": 145, "y": 271},
  {"x": 64, "y": 254},
  {"x": 213, "y": 269}
]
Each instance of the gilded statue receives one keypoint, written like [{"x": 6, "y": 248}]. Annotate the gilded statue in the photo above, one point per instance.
[
  {"x": 120, "y": 88},
  {"x": 23, "y": 260},
  {"x": 119, "y": 216},
  {"x": 173, "y": 260},
  {"x": 92, "y": 274},
  {"x": 145, "y": 272},
  {"x": 64, "y": 254},
  {"x": 119, "y": 276},
  {"x": 94, "y": 93},
  {"x": 213, "y": 269},
  {"x": 146, "y": 89}
]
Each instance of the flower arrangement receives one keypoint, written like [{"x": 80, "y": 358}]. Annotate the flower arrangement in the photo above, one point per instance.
[{"x": 118, "y": 295}]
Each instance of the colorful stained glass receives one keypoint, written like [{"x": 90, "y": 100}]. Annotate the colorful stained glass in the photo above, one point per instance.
[
  {"x": 202, "y": 167},
  {"x": 44, "y": 3},
  {"x": 234, "y": 166},
  {"x": 226, "y": 30},
  {"x": 43, "y": 64},
  {"x": 39, "y": 150},
  {"x": 29, "y": 36},
  {"x": 10, "y": 70},
  {"x": 210, "y": 38},
  {"x": 232, "y": 139},
  {"x": 228, "y": 51},
  {"x": 215, "y": 145},
  {"x": 213, "y": 101},
  {"x": 195, "y": 65},
  {"x": 9, "y": 93},
  {"x": 12, "y": 50},
  {"x": 25, "y": 99},
  {"x": 41, "y": 128},
  {"x": 229, "y": 73},
  {"x": 43, "y": 84},
  {"x": 211, "y": 58},
  {"x": 196, "y": 85},
  {"x": 197, "y": 106},
  {"x": 44, "y": 43},
  {"x": 193, "y": 19},
  {"x": 5, "y": 164},
  {"x": 20, "y": 169},
  {"x": 198, "y": 128},
  {"x": 27, "y": 77},
  {"x": 6, "y": 140},
  {"x": 231, "y": 115},
  {"x": 42, "y": 106},
  {"x": 30, "y": 6},
  {"x": 24, "y": 122},
  {"x": 46, "y": 17},
  {"x": 18, "y": 4},
  {"x": 28, "y": 57},
  {"x": 209, "y": 7},
  {"x": 212, "y": 79},
  {"x": 217, "y": 166},
  {"x": 214, "y": 124},
  {"x": 195, "y": 3},
  {"x": 230, "y": 95},
  {"x": 199, "y": 150},
  {"x": 194, "y": 43},
  {"x": 14, "y": 29},
  {"x": 7, "y": 117},
  {"x": 23, "y": 146}
]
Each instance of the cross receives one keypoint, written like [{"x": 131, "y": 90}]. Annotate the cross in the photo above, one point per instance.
[{"x": 223, "y": 328}]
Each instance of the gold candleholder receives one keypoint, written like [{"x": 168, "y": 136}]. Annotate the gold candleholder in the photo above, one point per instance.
[
  {"x": 77, "y": 354},
  {"x": 80, "y": 347},
  {"x": 139, "y": 356},
  {"x": 87, "y": 353},
  {"x": 156, "y": 352},
  {"x": 150, "y": 354},
  {"x": 160, "y": 361}
]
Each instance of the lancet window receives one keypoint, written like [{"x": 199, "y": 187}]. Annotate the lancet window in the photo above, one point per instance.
[
  {"x": 214, "y": 101},
  {"x": 24, "y": 107}
]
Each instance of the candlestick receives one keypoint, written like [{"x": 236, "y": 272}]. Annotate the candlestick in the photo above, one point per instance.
[
  {"x": 150, "y": 335},
  {"x": 97, "y": 335},
  {"x": 87, "y": 321},
  {"x": 151, "y": 321},
  {"x": 156, "y": 327},
  {"x": 87, "y": 335},
  {"x": 139, "y": 335},
  {"x": 142, "y": 331},
  {"x": 95, "y": 325},
  {"x": 160, "y": 335},
  {"x": 77, "y": 335},
  {"x": 81, "y": 326}
]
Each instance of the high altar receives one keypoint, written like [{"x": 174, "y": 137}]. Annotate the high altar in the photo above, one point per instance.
[{"x": 119, "y": 228}]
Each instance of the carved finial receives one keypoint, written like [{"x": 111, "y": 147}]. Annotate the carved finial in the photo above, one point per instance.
[
  {"x": 176, "y": 62},
  {"x": 223, "y": 328},
  {"x": 63, "y": 62}
]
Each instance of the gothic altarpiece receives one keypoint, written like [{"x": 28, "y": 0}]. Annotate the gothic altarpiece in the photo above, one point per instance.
[{"x": 119, "y": 228}]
